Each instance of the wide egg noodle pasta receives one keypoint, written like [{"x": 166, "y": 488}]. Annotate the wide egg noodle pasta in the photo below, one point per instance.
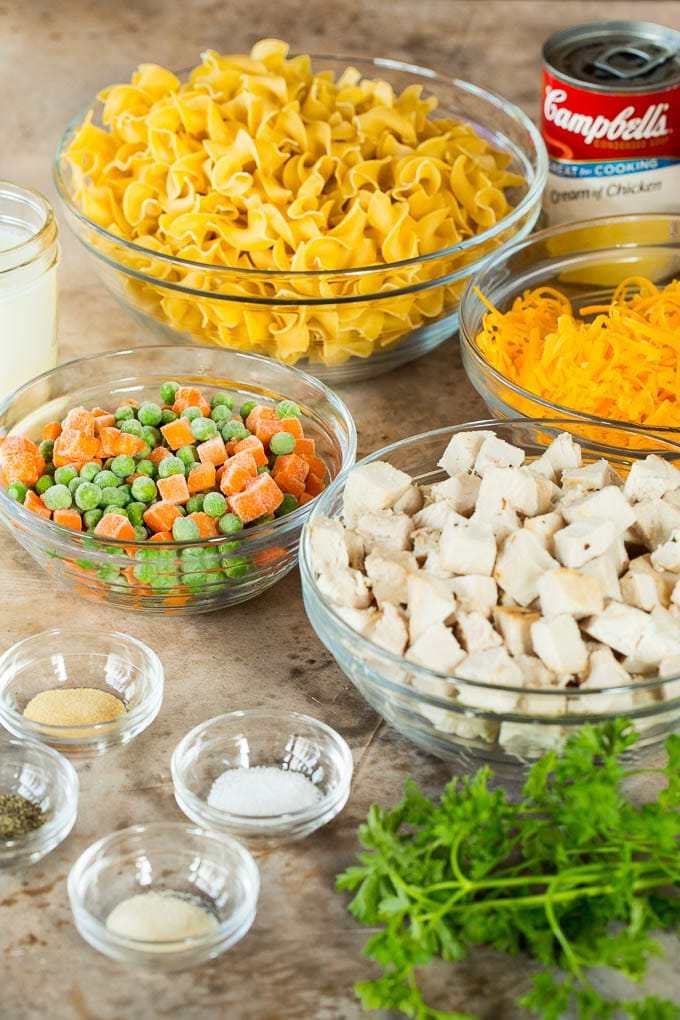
[{"x": 255, "y": 163}]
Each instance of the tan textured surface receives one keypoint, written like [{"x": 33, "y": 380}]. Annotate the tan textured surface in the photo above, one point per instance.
[{"x": 304, "y": 952}]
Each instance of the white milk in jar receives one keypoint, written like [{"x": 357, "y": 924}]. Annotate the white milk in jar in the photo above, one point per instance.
[{"x": 29, "y": 253}]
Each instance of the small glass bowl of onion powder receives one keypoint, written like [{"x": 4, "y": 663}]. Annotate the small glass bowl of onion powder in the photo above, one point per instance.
[
  {"x": 164, "y": 895},
  {"x": 38, "y": 801},
  {"x": 265, "y": 775},
  {"x": 79, "y": 690}
]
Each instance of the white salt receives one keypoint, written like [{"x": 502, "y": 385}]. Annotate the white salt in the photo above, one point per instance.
[
  {"x": 160, "y": 917},
  {"x": 261, "y": 791}
]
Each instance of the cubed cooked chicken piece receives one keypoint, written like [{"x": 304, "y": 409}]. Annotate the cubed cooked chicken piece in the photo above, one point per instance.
[
  {"x": 608, "y": 504},
  {"x": 524, "y": 491},
  {"x": 385, "y": 528},
  {"x": 521, "y": 561},
  {"x": 667, "y": 556},
  {"x": 475, "y": 593},
  {"x": 651, "y": 478},
  {"x": 513, "y": 623},
  {"x": 590, "y": 477},
  {"x": 328, "y": 545},
  {"x": 562, "y": 455},
  {"x": 619, "y": 626},
  {"x": 583, "y": 541},
  {"x": 345, "y": 587},
  {"x": 558, "y": 643},
  {"x": 655, "y": 522},
  {"x": 373, "y": 486},
  {"x": 462, "y": 450},
  {"x": 388, "y": 573},
  {"x": 562, "y": 590},
  {"x": 460, "y": 492},
  {"x": 495, "y": 452},
  {"x": 476, "y": 633},
  {"x": 544, "y": 526},
  {"x": 490, "y": 666},
  {"x": 436, "y": 648},
  {"x": 428, "y": 601}
]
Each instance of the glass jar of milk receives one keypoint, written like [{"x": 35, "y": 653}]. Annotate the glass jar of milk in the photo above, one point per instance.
[{"x": 29, "y": 253}]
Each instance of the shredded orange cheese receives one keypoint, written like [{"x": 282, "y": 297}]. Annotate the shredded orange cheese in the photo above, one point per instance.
[{"x": 619, "y": 361}]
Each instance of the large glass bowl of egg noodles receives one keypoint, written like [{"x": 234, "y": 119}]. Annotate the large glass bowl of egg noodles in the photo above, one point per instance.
[{"x": 322, "y": 211}]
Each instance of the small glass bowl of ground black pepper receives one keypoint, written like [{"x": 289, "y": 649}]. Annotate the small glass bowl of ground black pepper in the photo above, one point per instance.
[
  {"x": 164, "y": 895},
  {"x": 265, "y": 775},
  {"x": 38, "y": 801},
  {"x": 80, "y": 691}
]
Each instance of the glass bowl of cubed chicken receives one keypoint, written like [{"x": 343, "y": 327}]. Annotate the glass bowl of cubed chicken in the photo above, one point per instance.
[{"x": 491, "y": 587}]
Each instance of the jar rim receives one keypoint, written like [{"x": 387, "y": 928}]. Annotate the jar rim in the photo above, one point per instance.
[{"x": 43, "y": 229}]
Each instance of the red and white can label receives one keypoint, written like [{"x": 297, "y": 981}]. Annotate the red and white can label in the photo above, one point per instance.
[{"x": 611, "y": 152}]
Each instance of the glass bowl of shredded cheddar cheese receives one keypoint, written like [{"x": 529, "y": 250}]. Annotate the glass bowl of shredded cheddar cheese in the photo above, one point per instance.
[
  {"x": 322, "y": 211},
  {"x": 581, "y": 319}
]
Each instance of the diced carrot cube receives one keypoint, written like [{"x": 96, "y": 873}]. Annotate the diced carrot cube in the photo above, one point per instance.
[
  {"x": 305, "y": 497},
  {"x": 21, "y": 461},
  {"x": 190, "y": 396},
  {"x": 201, "y": 477},
  {"x": 173, "y": 489},
  {"x": 160, "y": 516},
  {"x": 246, "y": 459},
  {"x": 304, "y": 445},
  {"x": 74, "y": 447},
  {"x": 107, "y": 438},
  {"x": 313, "y": 484},
  {"x": 158, "y": 454},
  {"x": 161, "y": 536},
  {"x": 294, "y": 426},
  {"x": 290, "y": 473},
  {"x": 178, "y": 433},
  {"x": 34, "y": 502},
  {"x": 103, "y": 421},
  {"x": 98, "y": 411},
  {"x": 128, "y": 445},
  {"x": 259, "y": 413},
  {"x": 252, "y": 445},
  {"x": 212, "y": 451},
  {"x": 80, "y": 420},
  {"x": 233, "y": 478},
  {"x": 260, "y": 497},
  {"x": 266, "y": 428},
  {"x": 316, "y": 465},
  {"x": 114, "y": 526},
  {"x": 207, "y": 525},
  {"x": 51, "y": 430},
  {"x": 68, "y": 518}
]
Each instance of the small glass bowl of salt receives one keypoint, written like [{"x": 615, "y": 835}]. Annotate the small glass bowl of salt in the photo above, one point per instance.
[
  {"x": 166, "y": 895},
  {"x": 265, "y": 775}
]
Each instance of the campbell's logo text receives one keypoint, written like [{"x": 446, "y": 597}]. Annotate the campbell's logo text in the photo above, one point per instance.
[{"x": 624, "y": 126}]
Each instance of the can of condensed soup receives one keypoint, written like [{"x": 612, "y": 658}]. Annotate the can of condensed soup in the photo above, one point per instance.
[{"x": 611, "y": 120}]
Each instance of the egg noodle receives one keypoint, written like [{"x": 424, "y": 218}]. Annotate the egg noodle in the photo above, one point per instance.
[
  {"x": 256, "y": 163},
  {"x": 619, "y": 360}
]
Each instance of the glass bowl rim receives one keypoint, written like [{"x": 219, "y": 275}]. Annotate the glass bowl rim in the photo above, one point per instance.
[
  {"x": 98, "y": 552},
  {"x": 245, "y": 870},
  {"x": 506, "y": 107},
  {"x": 373, "y": 652},
  {"x": 74, "y": 736},
  {"x": 327, "y": 735},
  {"x": 62, "y": 773},
  {"x": 495, "y": 261}
]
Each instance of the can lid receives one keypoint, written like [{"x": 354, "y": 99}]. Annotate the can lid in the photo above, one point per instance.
[{"x": 616, "y": 55}]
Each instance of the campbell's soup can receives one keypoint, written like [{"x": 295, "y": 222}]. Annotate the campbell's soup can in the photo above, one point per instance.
[{"x": 611, "y": 120}]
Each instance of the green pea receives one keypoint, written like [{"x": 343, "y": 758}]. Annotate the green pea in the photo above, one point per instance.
[
  {"x": 168, "y": 391},
  {"x": 194, "y": 504},
  {"x": 191, "y": 413},
  {"x": 113, "y": 508},
  {"x": 149, "y": 413},
  {"x": 246, "y": 408},
  {"x": 63, "y": 475},
  {"x": 75, "y": 483},
  {"x": 263, "y": 469},
  {"x": 225, "y": 548},
  {"x": 58, "y": 497},
  {"x": 287, "y": 409},
  {"x": 146, "y": 467},
  {"x": 167, "y": 416},
  {"x": 143, "y": 489},
  {"x": 124, "y": 413},
  {"x": 187, "y": 454},
  {"x": 152, "y": 436},
  {"x": 170, "y": 466},
  {"x": 203, "y": 429},
  {"x": 17, "y": 491},
  {"x": 185, "y": 530},
  {"x": 221, "y": 399},
  {"x": 214, "y": 504},
  {"x": 117, "y": 496},
  {"x": 44, "y": 483},
  {"x": 136, "y": 511},
  {"x": 106, "y": 479},
  {"x": 237, "y": 567},
  {"x": 87, "y": 496},
  {"x": 46, "y": 449},
  {"x": 123, "y": 465},
  {"x": 141, "y": 534},
  {"x": 287, "y": 505},
  {"x": 90, "y": 471},
  {"x": 132, "y": 427},
  {"x": 233, "y": 429},
  {"x": 282, "y": 443},
  {"x": 230, "y": 524},
  {"x": 220, "y": 414},
  {"x": 91, "y": 518}
]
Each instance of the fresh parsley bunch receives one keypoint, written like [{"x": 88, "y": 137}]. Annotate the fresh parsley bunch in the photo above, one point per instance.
[{"x": 575, "y": 873}]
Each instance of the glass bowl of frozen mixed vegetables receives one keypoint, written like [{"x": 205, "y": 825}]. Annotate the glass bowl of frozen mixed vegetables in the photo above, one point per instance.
[
  {"x": 491, "y": 587},
  {"x": 168, "y": 479}
]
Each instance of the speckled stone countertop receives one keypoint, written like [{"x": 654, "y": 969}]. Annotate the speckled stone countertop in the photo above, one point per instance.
[{"x": 303, "y": 954}]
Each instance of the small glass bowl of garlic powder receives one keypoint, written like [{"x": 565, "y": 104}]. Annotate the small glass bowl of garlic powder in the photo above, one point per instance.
[
  {"x": 79, "y": 690},
  {"x": 164, "y": 895}
]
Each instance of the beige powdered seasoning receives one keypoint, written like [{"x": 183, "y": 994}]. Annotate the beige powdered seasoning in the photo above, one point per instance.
[{"x": 74, "y": 706}]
